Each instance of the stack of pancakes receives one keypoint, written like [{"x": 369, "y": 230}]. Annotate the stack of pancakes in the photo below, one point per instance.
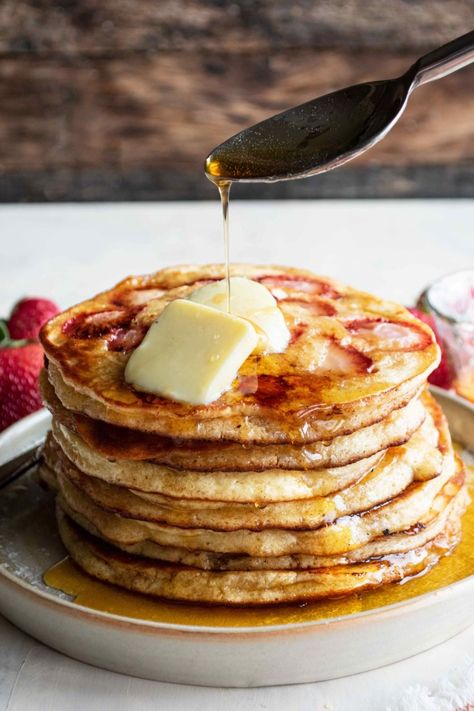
[{"x": 324, "y": 470}]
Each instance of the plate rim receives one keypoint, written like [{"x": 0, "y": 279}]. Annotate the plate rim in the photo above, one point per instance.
[{"x": 21, "y": 428}]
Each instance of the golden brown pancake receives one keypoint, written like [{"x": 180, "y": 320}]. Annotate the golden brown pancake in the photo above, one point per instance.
[
  {"x": 254, "y": 587},
  {"x": 399, "y": 542},
  {"x": 412, "y": 506},
  {"x": 391, "y": 475},
  {"x": 351, "y": 361},
  {"x": 119, "y": 443},
  {"x": 185, "y": 484}
]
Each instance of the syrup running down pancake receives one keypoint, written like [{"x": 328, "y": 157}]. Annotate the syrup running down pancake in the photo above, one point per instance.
[{"x": 323, "y": 471}]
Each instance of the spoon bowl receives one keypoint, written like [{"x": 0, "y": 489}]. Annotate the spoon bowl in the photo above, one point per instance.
[{"x": 313, "y": 137}]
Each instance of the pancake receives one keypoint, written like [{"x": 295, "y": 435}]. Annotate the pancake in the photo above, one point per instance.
[
  {"x": 131, "y": 446},
  {"x": 400, "y": 542},
  {"x": 269, "y": 485},
  {"x": 260, "y": 587},
  {"x": 412, "y": 506},
  {"x": 240, "y": 487},
  {"x": 351, "y": 361},
  {"x": 389, "y": 477}
]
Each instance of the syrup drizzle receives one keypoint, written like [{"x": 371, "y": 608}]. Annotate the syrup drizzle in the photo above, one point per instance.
[{"x": 223, "y": 187}]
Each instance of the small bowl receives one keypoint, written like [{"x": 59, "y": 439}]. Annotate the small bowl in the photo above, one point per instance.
[{"x": 450, "y": 300}]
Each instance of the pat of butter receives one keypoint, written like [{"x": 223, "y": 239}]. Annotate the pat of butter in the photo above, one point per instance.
[
  {"x": 191, "y": 353},
  {"x": 252, "y": 301}
]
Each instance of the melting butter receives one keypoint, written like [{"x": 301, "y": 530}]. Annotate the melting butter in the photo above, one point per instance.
[
  {"x": 191, "y": 353},
  {"x": 251, "y": 301}
]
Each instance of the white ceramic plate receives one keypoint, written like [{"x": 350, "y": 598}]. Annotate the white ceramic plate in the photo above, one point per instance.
[{"x": 212, "y": 656}]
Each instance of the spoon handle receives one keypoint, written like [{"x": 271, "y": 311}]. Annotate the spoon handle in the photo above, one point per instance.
[{"x": 444, "y": 60}]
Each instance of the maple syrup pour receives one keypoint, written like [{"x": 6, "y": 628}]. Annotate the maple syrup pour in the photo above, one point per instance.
[
  {"x": 87, "y": 591},
  {"x": 224, "y": 192},
  {"x": 223, "y": 187}
]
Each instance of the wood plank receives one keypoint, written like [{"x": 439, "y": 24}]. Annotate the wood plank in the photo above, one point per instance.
[
  {"x": 169, "y": 111},
  {"x": 109, "y": 27}
]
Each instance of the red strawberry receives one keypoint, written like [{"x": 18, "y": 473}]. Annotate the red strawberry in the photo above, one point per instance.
[
  {"x": 19, "y": 369},
  {"x": 29, "y": 315},
  {"x": 442, "y": 376}
]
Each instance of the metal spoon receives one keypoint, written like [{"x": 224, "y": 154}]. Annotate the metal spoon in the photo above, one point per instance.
[{"x": 332, "y": 129}]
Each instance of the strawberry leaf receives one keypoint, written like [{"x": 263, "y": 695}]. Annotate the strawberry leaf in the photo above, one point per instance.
[
  {"x": 4, "y": 334},
  {"x": 7, "y": 342}
]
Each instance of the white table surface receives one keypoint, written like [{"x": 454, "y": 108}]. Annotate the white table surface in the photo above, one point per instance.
[{"x": 67, "y": 252}]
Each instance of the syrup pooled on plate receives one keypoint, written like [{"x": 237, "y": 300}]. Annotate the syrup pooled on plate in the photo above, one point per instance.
[{"x": 87, "y": 591}]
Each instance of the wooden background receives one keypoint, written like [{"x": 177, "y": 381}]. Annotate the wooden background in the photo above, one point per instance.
[{"x": 123, "y": 99}]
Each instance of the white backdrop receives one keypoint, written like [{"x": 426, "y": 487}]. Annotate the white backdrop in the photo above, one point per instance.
[{"x": 393, "y": 248}]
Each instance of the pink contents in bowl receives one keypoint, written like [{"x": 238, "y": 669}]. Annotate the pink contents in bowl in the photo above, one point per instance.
[{"x": 450, "y": 301}]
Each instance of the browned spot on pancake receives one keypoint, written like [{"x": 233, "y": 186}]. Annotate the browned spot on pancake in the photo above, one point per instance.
[
  {"x": 297, "y": 332},
  {"x": 98, "y": 324},
  {"x": 115, "y": 327},
  {"x": 415, "y": 529},
  {"x": 120, "y": 442},
  {"x": 148, "y": 398},
  {"x": 271, "y": 390}
]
